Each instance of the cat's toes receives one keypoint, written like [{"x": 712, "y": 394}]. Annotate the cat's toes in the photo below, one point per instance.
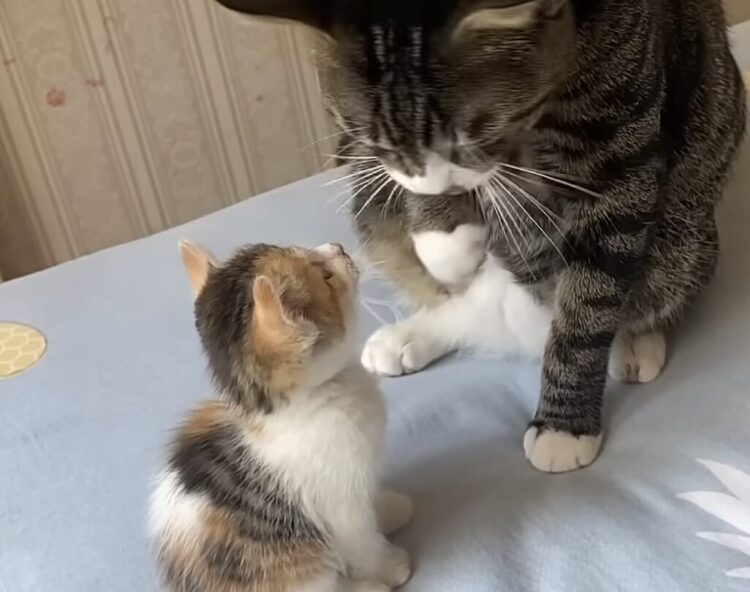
[
  {"x": 395, "y": 350},
  {"x": 638, "y": 359},
  {"x": 395, "y": 511},
  {"x": 398, "y": 566},
  {"x": 558, "y": 452},
  {"x": 366, "y": 586}
]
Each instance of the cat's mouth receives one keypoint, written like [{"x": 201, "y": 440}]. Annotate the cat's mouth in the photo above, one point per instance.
[{"x": 441, "y": 177}]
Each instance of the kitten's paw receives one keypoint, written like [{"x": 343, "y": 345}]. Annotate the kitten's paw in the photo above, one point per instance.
[
  {"x": 452, "y": 257},
  {"x": 558, "y": 452},
  {"x": 395, "y": 350},
  {"x": 397, "y": 568},
  {"x": 638, "y": 359},
  {"x": 367, "y": 586},
  {"x": 395, "y": 511}
]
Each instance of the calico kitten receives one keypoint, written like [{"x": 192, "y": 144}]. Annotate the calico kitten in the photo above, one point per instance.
[
  {"x": 272, "y": 487},
  {"x": 539, "y": 175}
]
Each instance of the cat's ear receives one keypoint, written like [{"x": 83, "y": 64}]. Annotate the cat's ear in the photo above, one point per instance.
[
  {"x": 269, "y": 309},
  {"x": 314, "y": 13},
  {"x": 197, "y": 263},
  {"x": 506, "y": 14},
  {"x": 276, "y": 325}
]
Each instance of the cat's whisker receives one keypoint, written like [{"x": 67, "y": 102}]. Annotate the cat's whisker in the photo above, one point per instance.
[
  {"x": 373, "y": 196},
  {"x": 342, "y": 132},
  {"x": 359, "y": 183},
  {"x": 384, "y": 209},
  {"x": 345, "y": 157},
  {"x": 341, "y": 150},
  {"x": 510, "y": 212},
  {"x": 356, "y": 173},
  {"x": 357, "y": 190},
  {"x": 497, "y": 204},
  {"x": 545, "y": 211},
  {"x": 551, "y": 178},
  {"x": 533, "y": 220},
  {"x": 505, "y": 175}
]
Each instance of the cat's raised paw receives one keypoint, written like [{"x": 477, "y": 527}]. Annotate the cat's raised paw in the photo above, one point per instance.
[
  {"x": 639, "y": 358},
  {"x": 395, "y": 350},
  {"x": 559, "y": 452}
]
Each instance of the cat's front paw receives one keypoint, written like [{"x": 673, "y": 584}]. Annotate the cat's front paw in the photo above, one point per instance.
[
  {"x": 639, "y": 358},
  {"x": 397, "y": 566},
  {"x": 395, "y": 350},
  {"x": 553, "y": 451}
]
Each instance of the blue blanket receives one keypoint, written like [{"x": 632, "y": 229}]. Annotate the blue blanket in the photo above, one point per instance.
[{"x": 666, "y": 507}]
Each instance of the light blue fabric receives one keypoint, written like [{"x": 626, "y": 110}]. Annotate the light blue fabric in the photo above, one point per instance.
[{"x": 82, "y": 434}]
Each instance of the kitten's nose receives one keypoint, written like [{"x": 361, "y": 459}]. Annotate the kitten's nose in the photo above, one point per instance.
[{"x": 330, "y": 250}]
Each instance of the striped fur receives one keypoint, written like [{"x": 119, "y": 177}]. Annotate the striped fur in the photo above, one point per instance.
[{"x": 628, "y": 113}]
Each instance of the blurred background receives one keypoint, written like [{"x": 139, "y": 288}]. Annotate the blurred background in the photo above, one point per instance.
[{"x": 119, "y": 118}]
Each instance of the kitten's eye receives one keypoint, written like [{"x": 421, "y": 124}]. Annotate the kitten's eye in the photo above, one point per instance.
[{"x": 327, "y": 275}]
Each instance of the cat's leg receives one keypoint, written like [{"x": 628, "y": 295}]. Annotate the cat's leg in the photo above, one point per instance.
[
  {"x": 592, "y": 292},
  {"x": 394, "y": 510},
  {"x": 638, "y": 358},
  {"x": 493, "y": 314},
  {"x": 368, "y": 556}
]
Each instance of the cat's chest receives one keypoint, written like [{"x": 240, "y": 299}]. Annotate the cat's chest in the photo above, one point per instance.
[{"x": 338, "y": 428}]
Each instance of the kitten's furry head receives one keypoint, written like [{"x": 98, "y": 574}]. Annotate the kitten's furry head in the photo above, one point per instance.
[
  {"x": 273, "y": 320},
  {"x": 437, "y": 90}
]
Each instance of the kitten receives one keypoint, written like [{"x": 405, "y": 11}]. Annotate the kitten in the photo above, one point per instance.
[
  {"x": 538, "y": 175},
  {"x": 273, "y": 486}
]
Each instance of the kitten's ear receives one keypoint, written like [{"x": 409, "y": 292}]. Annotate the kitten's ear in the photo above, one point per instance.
[
  {"x": 314, "y": 13},
  {"x": 269, "y": 310},
  {"x": 197, "y": 263}
]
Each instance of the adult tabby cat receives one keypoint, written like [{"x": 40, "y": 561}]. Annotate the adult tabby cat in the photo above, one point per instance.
[{"x": 538, "y": 174}]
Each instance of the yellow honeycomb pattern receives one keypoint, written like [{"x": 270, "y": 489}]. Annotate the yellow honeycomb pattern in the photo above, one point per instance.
[{"x": 20, "y": 348}]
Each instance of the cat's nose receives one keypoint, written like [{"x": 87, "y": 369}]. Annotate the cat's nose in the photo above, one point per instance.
[{"x": 330, "y": 250}]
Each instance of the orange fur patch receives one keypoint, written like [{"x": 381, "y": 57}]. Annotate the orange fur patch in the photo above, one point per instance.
[
  {"x": 255, "y": 568},
  {"x": 298, "y": 304}
]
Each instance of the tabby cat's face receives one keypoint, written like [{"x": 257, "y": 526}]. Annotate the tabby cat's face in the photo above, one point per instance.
[{"x": 437, "y": 90}]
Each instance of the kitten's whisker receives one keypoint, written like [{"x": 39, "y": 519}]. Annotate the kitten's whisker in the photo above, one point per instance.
[
  {"x": 551, "y": 178},
  {"x": 533, "y": 220}
]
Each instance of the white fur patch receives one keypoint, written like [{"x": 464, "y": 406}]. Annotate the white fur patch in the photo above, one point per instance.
[
  {"x": 326, "y": 446},
  {"x": 511, "y": 17},
  {"x": 175, "y": 513},
  {"x": 493, "y": 315},
  {"x": 638, "y": 359},
  {"x": 559, "y": 452},
  {"x": 440, "y": 176},
  {"x": 452, "y": 257}
]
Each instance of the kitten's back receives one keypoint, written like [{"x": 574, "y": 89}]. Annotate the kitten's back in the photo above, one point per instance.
[{"x": 223, "y": 522}]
